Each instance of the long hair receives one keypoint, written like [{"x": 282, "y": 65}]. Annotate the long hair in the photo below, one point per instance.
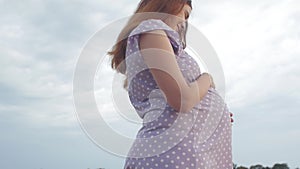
[{"x": 152, "y": 8}]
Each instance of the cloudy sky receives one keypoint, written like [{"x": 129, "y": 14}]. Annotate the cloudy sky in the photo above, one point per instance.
[{"x": 257, "y": 42}]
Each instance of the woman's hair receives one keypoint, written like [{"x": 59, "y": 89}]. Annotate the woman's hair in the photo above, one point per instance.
[{"x": 154, "y": 10}]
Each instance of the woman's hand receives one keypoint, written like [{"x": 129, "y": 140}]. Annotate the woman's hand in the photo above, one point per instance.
[{"x": 212, "y": 84}]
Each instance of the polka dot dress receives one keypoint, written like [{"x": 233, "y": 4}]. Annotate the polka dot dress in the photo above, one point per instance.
[{"x": 199, "y": 139}]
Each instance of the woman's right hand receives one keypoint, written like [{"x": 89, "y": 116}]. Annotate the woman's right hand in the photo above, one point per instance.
[{"x": 212, "y": 84}]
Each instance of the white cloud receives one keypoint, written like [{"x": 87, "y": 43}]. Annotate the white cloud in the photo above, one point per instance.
[{"x": 257, "y": 46}]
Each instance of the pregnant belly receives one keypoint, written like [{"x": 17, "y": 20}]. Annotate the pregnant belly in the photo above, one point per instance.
[
  {"x": 211, "y": 110},
  {"x": 212, "y": 100},
  {"x": 208, "y": 121}
]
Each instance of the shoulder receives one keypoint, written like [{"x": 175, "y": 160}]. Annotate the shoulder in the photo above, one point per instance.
[
  {"x": 154, "y": 39},
  {"x": 154, "y": 26},
  {"x": 155, "y": 32}
]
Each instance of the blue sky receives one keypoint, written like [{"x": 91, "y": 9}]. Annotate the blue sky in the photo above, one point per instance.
[{"x": 257, "y": 42}]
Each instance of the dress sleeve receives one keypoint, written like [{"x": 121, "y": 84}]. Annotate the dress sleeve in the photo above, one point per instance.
[{"x": 156, "y": 24}]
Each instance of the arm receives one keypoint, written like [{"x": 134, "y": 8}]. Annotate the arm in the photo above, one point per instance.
[{"x": 158, "y": 55}]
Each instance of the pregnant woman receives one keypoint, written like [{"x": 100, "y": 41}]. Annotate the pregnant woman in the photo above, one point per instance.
[{"x": 186, "y": 123}]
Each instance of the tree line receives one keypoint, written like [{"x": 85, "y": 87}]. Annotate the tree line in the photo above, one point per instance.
[{"x": 258, "y": 166}]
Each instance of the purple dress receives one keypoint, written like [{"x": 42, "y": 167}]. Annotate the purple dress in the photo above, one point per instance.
[{"x": 199, "y": 139}]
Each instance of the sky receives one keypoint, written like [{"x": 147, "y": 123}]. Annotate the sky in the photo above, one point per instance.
[{"x": 257, "y": 42}]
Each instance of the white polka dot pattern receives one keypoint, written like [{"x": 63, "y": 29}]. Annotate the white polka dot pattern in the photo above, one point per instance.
[{"x": 199, "y": 139}]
